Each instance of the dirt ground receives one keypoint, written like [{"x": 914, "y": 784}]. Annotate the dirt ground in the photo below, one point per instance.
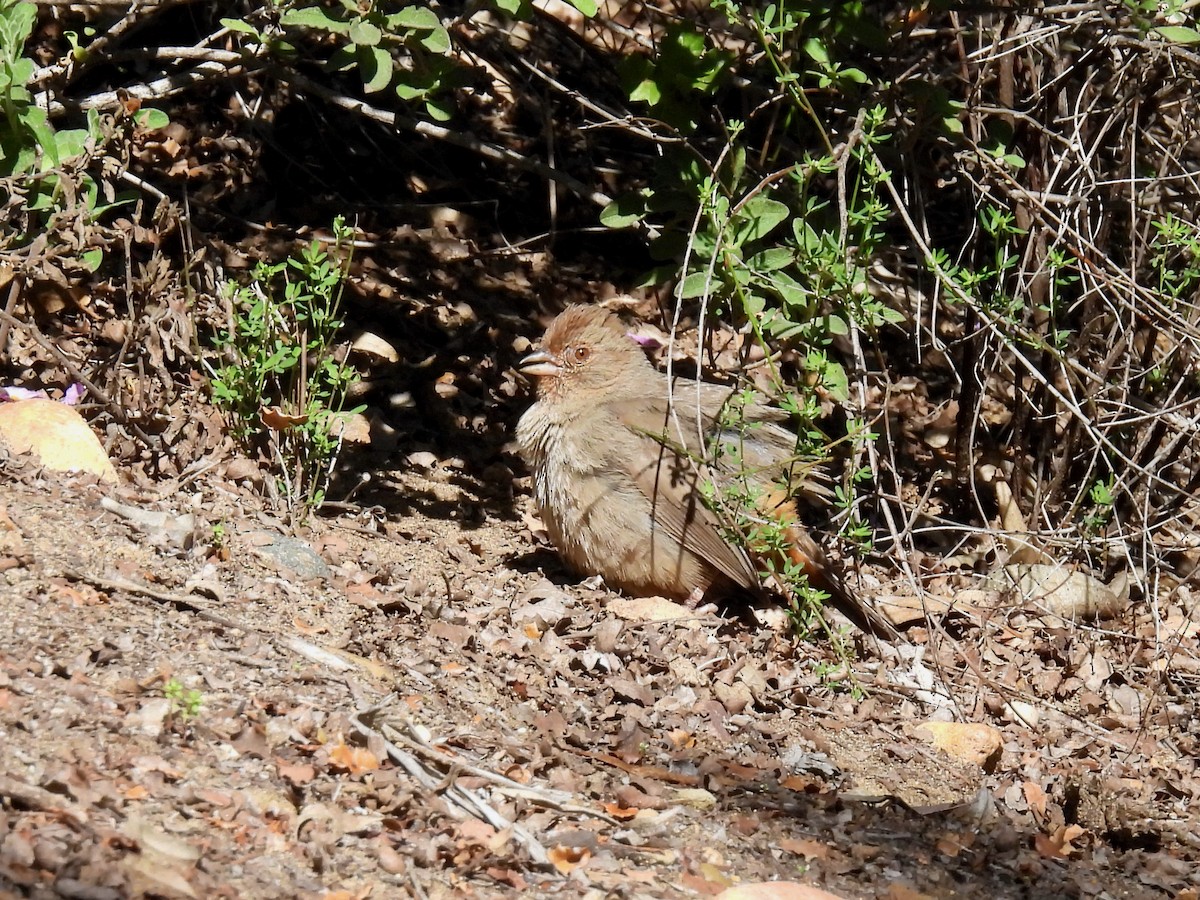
[{"x": 423, "y": 703}]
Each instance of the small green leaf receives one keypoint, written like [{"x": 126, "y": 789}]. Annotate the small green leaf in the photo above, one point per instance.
[
  {"x": 364, "y": 34},
  {"x": 406, "y": 91},
  {"x": 753, "y": 305},
  {"x": 833, "y": 377},
  {"x": 790, "y": 291},
  {"x": 695, "y": 285},
  {"x": 151, "y": 119},
  {"x": 587, "y": 7},
  {"x": 952, "y": 125},
  {"x": 437, "y": 41},
  {"x": 647, "y": 91},
  {"x": 1178, "y": 34},
  {"x": 626, "y": 210},
  {"x": 760, "y": 216},
  {"x": 816, "y": 51},
  {"x": 836, "y": 325},
  {"x": 242, "y": 26},
  {"x": 22, "y": 71},
  {"x": 313, "y": 17},
  {"x": 92, "y": 259},
  {"x": 70, "y": 144},
  {"x": 439, "y": 109},
  {"x": 375, "y": 64},
  {"x": 418, "y": 18},
  {"x": 771, "y": 259}
]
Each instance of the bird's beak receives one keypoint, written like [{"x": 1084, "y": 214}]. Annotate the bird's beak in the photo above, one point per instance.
[{"x": 541, "y": 364}]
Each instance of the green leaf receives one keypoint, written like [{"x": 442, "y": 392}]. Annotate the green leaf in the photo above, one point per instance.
[
  {"x": 16, "y": 25},
  {"x": 151, "y": 119},
  {"x": 753, "y": 305},
  {"x": 437, "y": 41},
  {"x": 771, "y": 259},
  {"x": 22, "y": 71},
  {"x": 626, "y": 210},
  {"x": 406, "y": 91},
  {"x": 375, "y": 65},
  {"x": 313, "y": 17},
  {"x": 647, "y": 91},
  {"x": 836, "y": 325},
  {"x": 364, "y": 34},
  {"x": 587, "y": 7},
  {"x": 418, "y": 18},
  {"x": 70, "y": 144},
  {"x": 832, "y": 375},
  {"x": 790, "y": 291},
  {"x": 34, "y": 119},
  {"x": 92, "y": 259},
  {"x": 342, "y": 59},
  {"x": 816, "y": 51},
  {"x": 760, "y": 216},
  {"x": 1178, "y": 34},
  {"x": 695, "y": 285},
  {"x": 439, "y": 109},
  {"x": 240, "y": 25}
]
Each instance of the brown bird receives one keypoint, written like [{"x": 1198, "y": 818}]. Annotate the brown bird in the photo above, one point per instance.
[{"x": 619, "y": 471}]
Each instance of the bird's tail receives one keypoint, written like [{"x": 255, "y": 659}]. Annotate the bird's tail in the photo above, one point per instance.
[{"x": 807, "y": 556}]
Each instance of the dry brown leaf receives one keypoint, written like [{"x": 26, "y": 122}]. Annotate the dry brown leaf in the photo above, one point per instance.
[
  {"x": 276, "y": 419},
  {"x": 567, "y": 859},
  {"x": 617, "y": 811},
  {"x": 805, "y": 847},
  {"x": 1058, "y": 845},
  {"x": 951, "y": 844},
  {"x": 510, "y": 877},
  {"x": 355, "y": 760},
  {"x": 301, "y": 773},
  {"x": 1035, "y": 798}
]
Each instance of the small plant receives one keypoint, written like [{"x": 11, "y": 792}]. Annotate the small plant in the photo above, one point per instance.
[
  {"x": 1103, "y": 497},
  {"x": 184, "y": 702},
  {"x": 48, "y": 167},
  {"x": 282, "y": 384}
]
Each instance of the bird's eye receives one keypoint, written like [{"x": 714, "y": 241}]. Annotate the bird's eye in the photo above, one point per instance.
[{"x": 581, "y": 354}]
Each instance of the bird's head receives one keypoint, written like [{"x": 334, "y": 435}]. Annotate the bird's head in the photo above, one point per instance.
[{"x": 586, "y": 349}]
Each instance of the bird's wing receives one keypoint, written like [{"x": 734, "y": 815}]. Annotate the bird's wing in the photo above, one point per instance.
[
  {"x": 666, "y": 471},
  {"x": 747, "y": 438}
]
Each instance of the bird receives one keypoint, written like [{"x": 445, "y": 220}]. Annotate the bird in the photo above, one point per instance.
[{"x": 624, "y": 461}]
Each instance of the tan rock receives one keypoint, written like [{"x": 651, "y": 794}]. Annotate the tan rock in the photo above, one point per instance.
[
  {"x": 971, "y": 742},
  {"x": 55, "y": 433}
]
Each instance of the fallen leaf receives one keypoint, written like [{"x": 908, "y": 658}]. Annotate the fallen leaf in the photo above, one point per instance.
[
  {"x": 297, "y": 774},
  {"x": 275, "y": 418},
  {"x": 617, "y": 811},
  {"x": 1058, "y": 845},
  {"x": 567, "y": 859},
  {"x": 355, "y": 760},
  {"x": 1035, "y": 798},
  {"x": 805, "y": 847}
]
